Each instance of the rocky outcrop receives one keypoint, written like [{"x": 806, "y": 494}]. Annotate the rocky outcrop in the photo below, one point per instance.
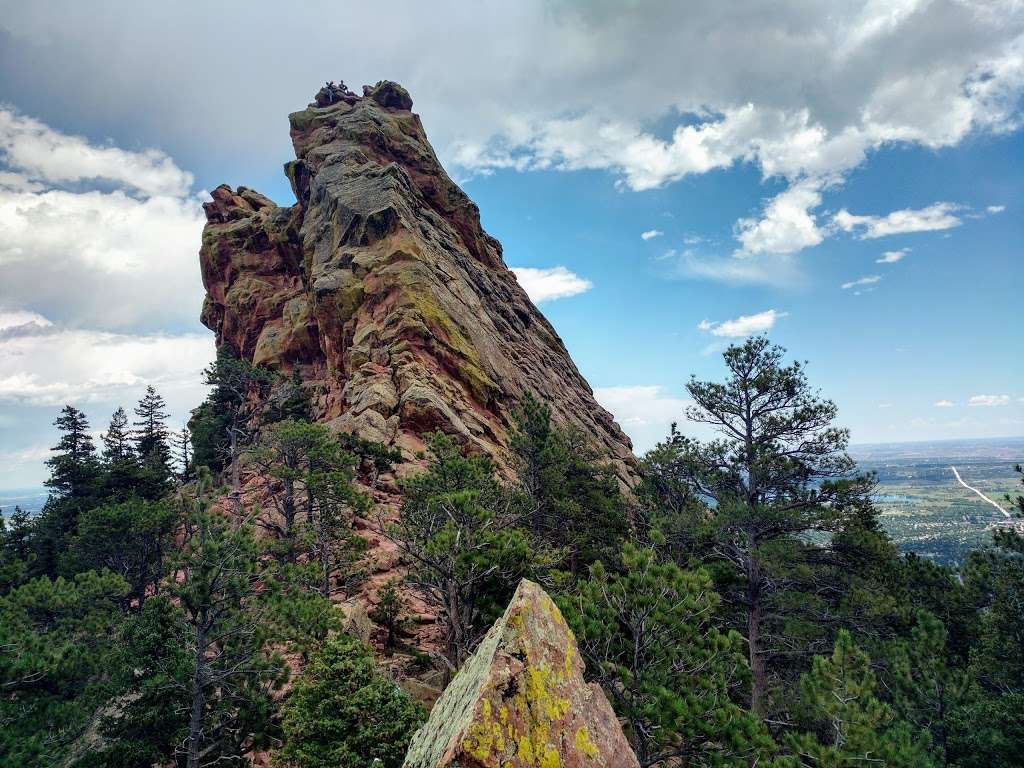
[
  {"x": 381, "y": 285},
  {"x": 521, "y": 700}
]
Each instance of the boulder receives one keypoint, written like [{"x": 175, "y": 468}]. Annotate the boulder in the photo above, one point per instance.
[{"x": 521, "y": 700}]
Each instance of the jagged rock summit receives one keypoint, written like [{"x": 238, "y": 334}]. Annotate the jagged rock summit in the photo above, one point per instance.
[
  {"x": 381, "y": 285},
  {"x": 520, "y": 701}
]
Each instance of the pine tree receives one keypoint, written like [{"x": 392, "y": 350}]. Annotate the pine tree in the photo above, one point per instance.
[
  {"x": 575, "y": 503},
  {"x": 646, "y": 632},
  {"x": 74, "y": 481},
  {"x": 221, "y": 424},
  {"x": 130, "y": 538},
  {"x": 853, "y": 727},
  {"x": 74, "y": 470},
  {"x": 778, "y": 473},
  {"x": 183, "y": 454},
  {"x": 15, "y": 549},
  {"x": 59, "y": 641},
  {"x": 119, "y": 458},
  {"x": 343, "y": 713},
  {"x": 117, "y": 444},
  {"x": 152, "y": 444},
  {"x": 224, "y": 594},
  {"x": 457, "y": 526}
]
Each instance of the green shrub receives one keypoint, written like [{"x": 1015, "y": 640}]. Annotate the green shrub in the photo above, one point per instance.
[{"x": 343, "y": 713}]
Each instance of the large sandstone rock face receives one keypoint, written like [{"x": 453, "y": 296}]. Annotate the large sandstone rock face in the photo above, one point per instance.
[
  {"x": 382, "y": 286},
  {"x": 520, "y": 701}
]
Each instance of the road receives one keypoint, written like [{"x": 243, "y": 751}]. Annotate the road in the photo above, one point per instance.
[{"x": 982, "y": 495}]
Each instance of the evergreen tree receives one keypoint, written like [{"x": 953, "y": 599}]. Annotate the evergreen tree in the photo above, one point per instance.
[
  {"x": 343, "y": 713},
  {"x": 74, "y": 483},
  {"x": 117, "y": 444},
  {"x": 16, "y": 549},
  {"x": 152, "y": 444},
  {"x": 129, "y": 538},
  {"x": 289, "y": 400},
  {"x": 309, "y": 483},
  {"x": 458, "y": 527},
  {"x": 119, "y": 458},
  {"x": 575, "y": 503},
  {"x": 225, "y": 595},
  {"x": 927, "y": 690},
  {"x": 646, "y": 633},
  {"x": 990, "y": 732},
  {"x": 58, "y": 640},
  {"x": 778, "y": 473},
  {"x": 183, "y": 455},
  {"x": 220, "y": 427},
  {"x": 853, "y": 727},
  {"x": 389, "y": 613}
]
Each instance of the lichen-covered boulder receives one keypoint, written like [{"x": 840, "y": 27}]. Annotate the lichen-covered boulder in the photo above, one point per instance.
[{"x": 521, "y": 700}]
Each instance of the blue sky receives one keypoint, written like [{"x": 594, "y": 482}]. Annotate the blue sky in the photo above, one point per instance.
[{"x": 845, "y": 177}]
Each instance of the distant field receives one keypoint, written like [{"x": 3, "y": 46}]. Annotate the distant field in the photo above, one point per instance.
[
  {"x": 925, "y": 509},
  {"x": 29, "y": 499}
]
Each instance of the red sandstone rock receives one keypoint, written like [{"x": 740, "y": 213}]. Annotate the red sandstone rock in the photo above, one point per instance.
[{"x": 382, "y": 286}]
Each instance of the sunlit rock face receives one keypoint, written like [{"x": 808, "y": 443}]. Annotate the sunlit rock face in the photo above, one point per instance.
[
  {"x": 381, "y": 285},
  {"x": 521, "y": 700}
]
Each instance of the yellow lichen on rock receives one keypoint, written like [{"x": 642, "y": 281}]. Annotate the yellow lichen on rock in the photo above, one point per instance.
[{"x": 521, "y": 701}]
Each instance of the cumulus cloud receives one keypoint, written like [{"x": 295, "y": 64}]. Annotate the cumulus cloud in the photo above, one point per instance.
[
  {"x": 57, "y": 366},
  {"x": 995, "y": 208},
  {"x": 98, "y": 280},
  {"x": 650, "y": 234},
  {"x": 786, "y": 225},
  {"x": 645, "y": 412},
  {"x": 818, "y": 89},
  {"x": 744, "y": 325},
  {"x": 550, "y": 283},
  {"x": 937, "y": 216},
  {"x": 868, "y": 280},
  {"x": 118, "y": 256},
  {"x": 891, "y": 257},
  {"x": 42, "y": 154},
  {"x": 944, "y": 403},
  {"x": 988, "y": 401}
]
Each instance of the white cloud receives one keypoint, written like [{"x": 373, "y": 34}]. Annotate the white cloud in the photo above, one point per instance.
[
  {"x": 54, "y": 366},
  {"x": 786, "y": 225},
  {"x": 937, "y": 216},
  {"x": 644, "y": 412},
  {"x": 744, "y": 325},
  {"x": 44, "y": 155},
  {"x": 944, "y": 403},
  {"x": 995, "y": 208},
  {"x": 891, "y": 257},
  {"x": 869, "y": 280},
  {"x": 111, "y": 258},
  {"x": 650, "y": 234},
  {"x": 818, "y": 90},
  {"x": 988, "y": 400},
  {"x": 551, "y": 283}
]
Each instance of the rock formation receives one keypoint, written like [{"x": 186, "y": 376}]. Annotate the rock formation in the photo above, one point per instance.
[
  {"x": 521, "y": 700},
  {"x": 381, "y": 285}
]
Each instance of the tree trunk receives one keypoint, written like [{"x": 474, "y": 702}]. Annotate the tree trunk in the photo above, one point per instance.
[
  {"x": 196, "y": 712},
  {"x": 754, "y": 642},
  {"x": 236, "y": 477}
]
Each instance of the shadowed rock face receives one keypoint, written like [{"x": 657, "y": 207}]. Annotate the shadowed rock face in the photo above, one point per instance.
[
  {"x": 382, "y": 286},
  {"x": 521, "y": 700}
]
